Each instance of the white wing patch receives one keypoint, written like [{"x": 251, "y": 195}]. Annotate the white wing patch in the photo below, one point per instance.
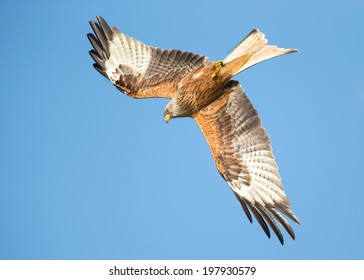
[{"x": 127, "y": 51}]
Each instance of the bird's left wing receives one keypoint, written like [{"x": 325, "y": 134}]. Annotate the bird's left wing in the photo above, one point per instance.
[
  {"x": 139, "y": 70},
  {"x": 243, "y": 155}
]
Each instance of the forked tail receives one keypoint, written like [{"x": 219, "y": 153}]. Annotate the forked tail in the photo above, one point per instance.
[{"x": 252, "y": 50}]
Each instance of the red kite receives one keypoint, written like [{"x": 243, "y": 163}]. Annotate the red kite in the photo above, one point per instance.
[{"x": 203, "y": 89}]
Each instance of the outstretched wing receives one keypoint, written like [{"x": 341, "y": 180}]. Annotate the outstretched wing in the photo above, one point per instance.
[
  {"x": 139, "y": 70},
  {"x": 243, "y": 156}
]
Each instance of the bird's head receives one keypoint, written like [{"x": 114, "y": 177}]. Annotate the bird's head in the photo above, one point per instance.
[
  {"x": 167, "y": 115},
  {"x": 170, "y": 110}
]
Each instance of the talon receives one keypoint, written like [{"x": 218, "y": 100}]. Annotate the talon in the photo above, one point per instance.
[{"x": 218, "y": 66}]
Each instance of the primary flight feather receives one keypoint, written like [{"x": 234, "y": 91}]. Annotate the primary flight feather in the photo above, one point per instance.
[{"x": 203, "y": 89}]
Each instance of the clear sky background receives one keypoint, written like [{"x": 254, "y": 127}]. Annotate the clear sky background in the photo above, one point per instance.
[{"x": 89, "y": 173}]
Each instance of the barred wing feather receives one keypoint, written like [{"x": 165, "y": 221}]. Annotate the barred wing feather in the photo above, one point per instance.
[
  {"x": 139, "y": 70},
  {"x": 243, "y": 155}
]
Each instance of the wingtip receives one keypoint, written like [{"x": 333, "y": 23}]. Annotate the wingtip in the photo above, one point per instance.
[
  {"x": 294, "y": 218},
  {"x": 100, "y": 18},
  {"x": 89, "y": 36},
  {"x": 281, "y": 241},
  {"x": 293, "y": 236},
  {"x": 102, "y": 21}
]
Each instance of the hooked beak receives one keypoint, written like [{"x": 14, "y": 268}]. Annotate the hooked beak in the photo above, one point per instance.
[{"x": 167, "y": 117}]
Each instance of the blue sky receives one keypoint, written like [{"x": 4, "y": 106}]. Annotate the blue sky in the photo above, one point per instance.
[{"x": 89, "y": 173}]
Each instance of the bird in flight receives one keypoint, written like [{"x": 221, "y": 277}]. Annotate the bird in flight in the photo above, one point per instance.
[{"x": 202, "y": 89}]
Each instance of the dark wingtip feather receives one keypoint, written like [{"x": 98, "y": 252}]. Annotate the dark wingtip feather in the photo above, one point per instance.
[
  {"x": 101, "y": 35},
  {"x": 283, "y": 222},
  {"x": 98, "y": 40},
  {"x": 95, "y": 26},
  {"x": 100, "y": 18},
  {"x": 91, "y": 22},
  {"x": 260, "y": 220},
  {"x": 288, "y": 212},
  {"x": 100, "y": 70},
  {"x": 95, "y": 56},
  {"x": 245, "y": 208},
  {"x": 105, "y": 27},
  {"x": 96, "y": 44},
  {"x": 271, "y": 222}
]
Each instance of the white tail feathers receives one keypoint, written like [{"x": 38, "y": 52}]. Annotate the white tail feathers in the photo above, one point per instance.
[{"x": 255, "y": 44}]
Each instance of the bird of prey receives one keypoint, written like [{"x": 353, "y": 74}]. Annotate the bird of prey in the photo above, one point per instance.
[{"x": 202, "y": 89}]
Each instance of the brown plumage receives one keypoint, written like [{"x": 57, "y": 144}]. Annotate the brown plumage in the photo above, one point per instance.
[{"x": 203, "y": 90}]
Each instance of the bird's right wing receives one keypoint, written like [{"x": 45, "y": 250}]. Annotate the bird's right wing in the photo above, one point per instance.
[
  {"x": 243, "y": 155},
  {"x": 139, "y": 70}
]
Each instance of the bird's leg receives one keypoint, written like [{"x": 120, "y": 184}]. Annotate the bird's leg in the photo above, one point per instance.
[{"x": 217, "y": 66}]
